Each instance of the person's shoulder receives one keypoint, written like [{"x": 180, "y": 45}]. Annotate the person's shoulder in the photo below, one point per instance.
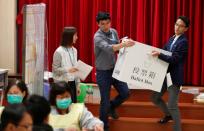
[
  {"x": 183, "y": 39},
  {"x": 75, "y": 50},
  {"x": 98, "y": 36},
  {"x": 59, "y": 49},
  {"x": 98, "y": 33},
  {"x": 113, "y": 30}
]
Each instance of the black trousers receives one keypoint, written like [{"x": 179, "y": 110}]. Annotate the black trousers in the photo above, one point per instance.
[{"x": 72, "y": 84}]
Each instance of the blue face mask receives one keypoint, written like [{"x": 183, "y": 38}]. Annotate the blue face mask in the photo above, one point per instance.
[
  {"x": 63, "y": 103},
  {"x": 14, "y": 99}
]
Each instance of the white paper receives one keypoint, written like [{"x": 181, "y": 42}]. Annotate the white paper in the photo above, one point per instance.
[
  {"x": 169, "y": 80},
  {"x": 83, "y": 70},
  {"x": 137, "y": 67}
]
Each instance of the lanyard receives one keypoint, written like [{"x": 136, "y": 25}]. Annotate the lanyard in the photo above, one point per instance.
[{"x": 70, "y": 56}]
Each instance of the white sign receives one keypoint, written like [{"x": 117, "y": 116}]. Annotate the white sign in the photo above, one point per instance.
[{"x": 136, "y": 66}]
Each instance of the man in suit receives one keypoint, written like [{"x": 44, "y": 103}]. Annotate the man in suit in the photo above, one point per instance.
[{"x": 178, "y": 45}]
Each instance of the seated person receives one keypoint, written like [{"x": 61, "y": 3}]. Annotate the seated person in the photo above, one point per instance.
[
  {"x": 16, "y": 91},
  {"x": 16, "y": 118},
  {"x": 39, "y": 109},
  {"x": 65, "y": 114}
]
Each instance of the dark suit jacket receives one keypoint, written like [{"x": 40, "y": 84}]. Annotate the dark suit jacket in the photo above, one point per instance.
[{"x": 177, "y": 60}]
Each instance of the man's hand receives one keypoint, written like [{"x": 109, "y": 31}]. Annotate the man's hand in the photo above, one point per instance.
[
  {"x": 124, "y": 43},
  {"x": 128, "y": 43},
  {"x": 155, "y": 53}
]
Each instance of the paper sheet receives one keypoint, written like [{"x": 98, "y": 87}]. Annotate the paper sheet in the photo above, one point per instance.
[{"x": 84, "y": 70}]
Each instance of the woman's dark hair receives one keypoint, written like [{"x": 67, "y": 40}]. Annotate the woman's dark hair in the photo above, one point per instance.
[
  {"x": 38, "y": 107},
  {"x": 57, "y": 89},
  {"x": 12, "y": 113},
  {"x": 185, "y": 20},
  {"x": 67, "y": 36},
  {"x": 102, "y": 16},
  {"x": 20, "y": 84}
]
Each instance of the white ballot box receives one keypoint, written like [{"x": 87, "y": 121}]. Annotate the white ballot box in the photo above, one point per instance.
[{"x": 137, "y": 67}]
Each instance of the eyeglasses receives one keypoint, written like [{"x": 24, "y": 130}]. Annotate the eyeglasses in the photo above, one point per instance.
[{"x": 180, "y": 26}]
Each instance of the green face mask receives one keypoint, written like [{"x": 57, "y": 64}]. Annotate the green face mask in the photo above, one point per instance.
[
  {"x": 14, "y": 99},
  {"x": 63, "y": 103}
]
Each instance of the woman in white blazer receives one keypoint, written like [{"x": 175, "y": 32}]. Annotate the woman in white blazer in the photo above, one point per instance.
[{"x": 65, "y": 59}]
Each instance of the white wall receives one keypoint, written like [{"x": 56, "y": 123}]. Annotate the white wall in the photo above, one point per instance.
[{"x": 8, "y": 34}]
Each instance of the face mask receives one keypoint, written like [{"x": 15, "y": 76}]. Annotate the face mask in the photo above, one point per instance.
[
  {"x": 63, "y": 103},
  {"x": 14, "y": 99}
]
